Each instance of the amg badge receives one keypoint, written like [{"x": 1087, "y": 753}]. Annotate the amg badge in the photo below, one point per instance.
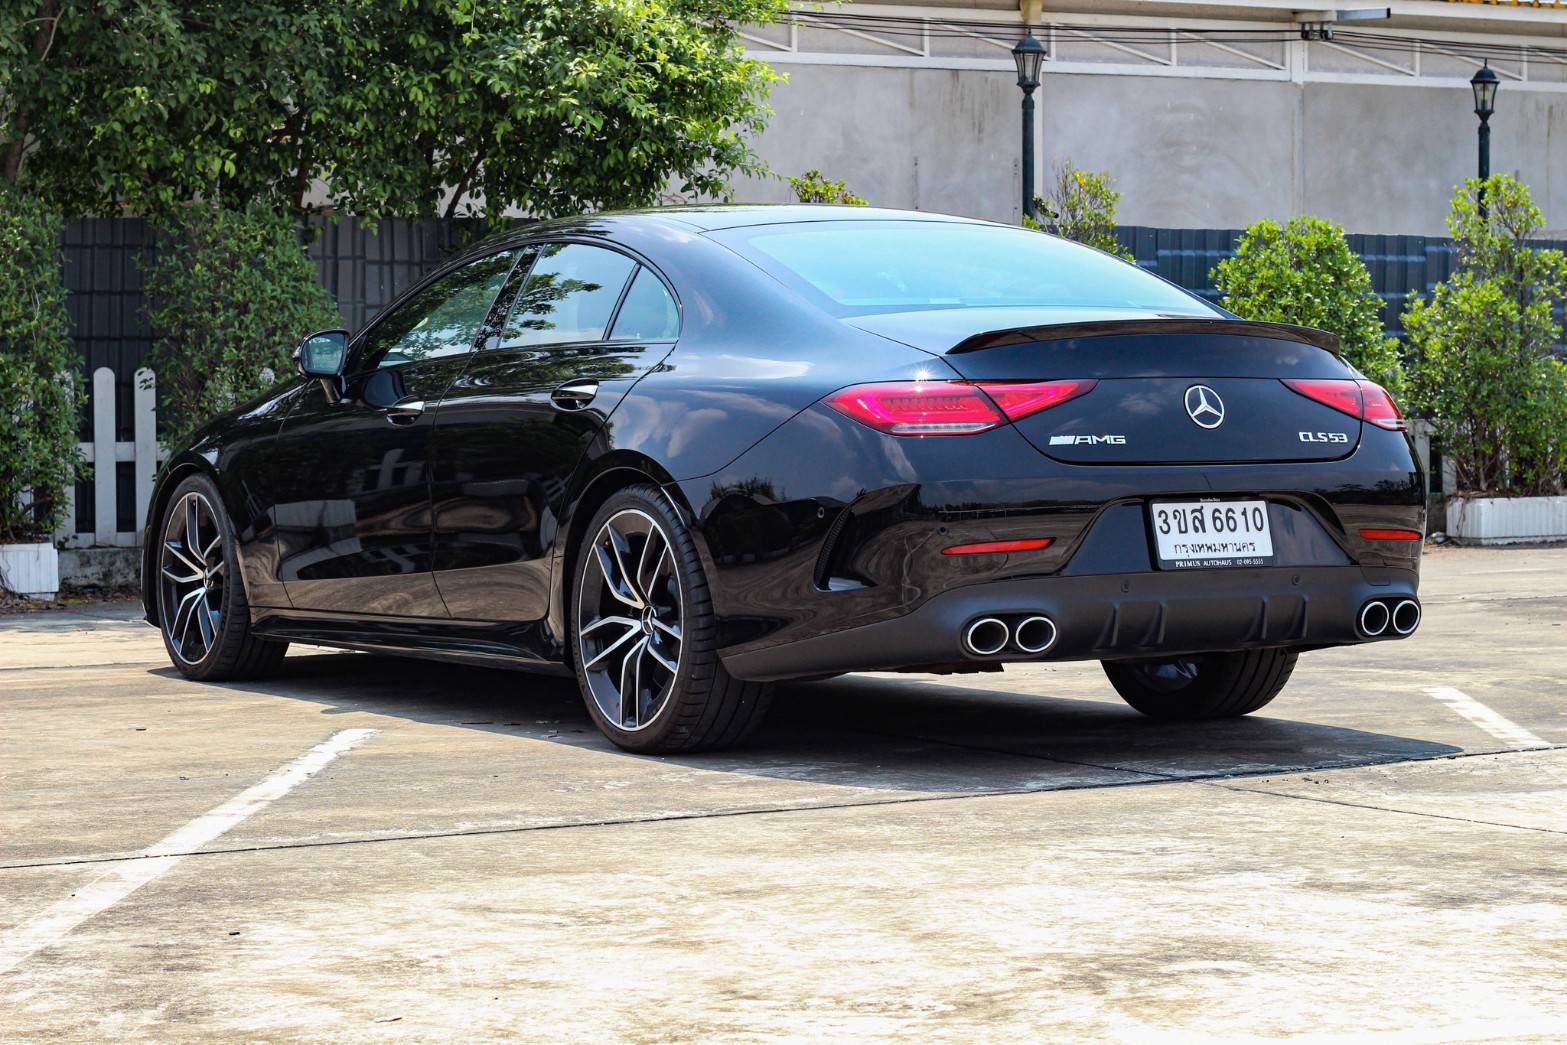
[{"x": 1087, "y": 440}]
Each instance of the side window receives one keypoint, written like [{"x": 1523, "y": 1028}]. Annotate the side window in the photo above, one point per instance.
[
  {"x": 648, "y": 313},
  {"x": 441, "y": 320},
  {"x": 569, "y": 295}
]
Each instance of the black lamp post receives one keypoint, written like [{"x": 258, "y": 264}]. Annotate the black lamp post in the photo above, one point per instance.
[
  {"x": 1029, "y": 56},
  {"x": 1484, "y": 85}
]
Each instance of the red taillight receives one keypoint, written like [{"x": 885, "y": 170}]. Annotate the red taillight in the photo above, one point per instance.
[
  {"x": 950, "y": 407},
  {"x": 919, "y": 407},
  {"x": 1372, "y": 534},
  {"x": 1032, "y": 544},
  {"x": 1380, "y": 408},
  {"x": 1362, "y": 400},
  {"x": 1018, "y": 399}
]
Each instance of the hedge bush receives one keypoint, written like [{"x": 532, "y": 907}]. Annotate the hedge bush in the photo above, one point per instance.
[
  {"x": 1304, "y": 273},
  {"x": 39, "y": 373},
  {"x": 231, "y": 294},
  {"x": 1480, "y": 364},
  {"x": 1080, "y": 206},
  {"x": 814, "y": 187}
]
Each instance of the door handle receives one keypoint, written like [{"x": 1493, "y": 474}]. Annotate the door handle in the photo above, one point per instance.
[
  {"x": 404, "y": 411},
  {"x": 574, "y": 395}
]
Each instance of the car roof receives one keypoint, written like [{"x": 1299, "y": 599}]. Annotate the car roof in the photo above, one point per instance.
[
  {"x": 737, "y": 215},
  {"x": 733, "y": 215},
  {"x": 700, "y": 219}
]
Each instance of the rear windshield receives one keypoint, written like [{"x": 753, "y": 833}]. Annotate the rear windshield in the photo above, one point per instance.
[{"x": 866, "y": 267}]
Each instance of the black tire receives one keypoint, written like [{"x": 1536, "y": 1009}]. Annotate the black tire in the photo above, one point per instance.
[
  {"x": 222, "y": 647},
  {"x": 698, "y": 706},
  {"x": 1205, "y": 685}
]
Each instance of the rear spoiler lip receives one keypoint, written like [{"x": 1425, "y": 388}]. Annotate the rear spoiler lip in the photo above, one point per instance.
[{"x": 1173, "y": 325}]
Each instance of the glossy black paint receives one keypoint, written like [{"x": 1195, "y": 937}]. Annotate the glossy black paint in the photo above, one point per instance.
[{"x": 451, "y": 533}]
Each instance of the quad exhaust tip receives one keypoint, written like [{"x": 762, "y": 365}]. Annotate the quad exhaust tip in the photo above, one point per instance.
[
  {"x": 1406, "y": 617},
  {"x": 987, "y": 636},
  {"x": 1034, "y": 634},
  {"x": 1030, "y": 635},
  {"x": 1374, "y": 618}
]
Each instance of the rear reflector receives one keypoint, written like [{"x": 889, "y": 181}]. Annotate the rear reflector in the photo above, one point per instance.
[
  {"x": 999, "y": 547},
  {"x": 1391, "y": 535},
  {"x": 950, "y": 407},
  {"x": 1364, "y": 400}
]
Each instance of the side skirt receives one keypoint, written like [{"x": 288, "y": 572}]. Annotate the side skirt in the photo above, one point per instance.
[{"x": 526, "y": 647}]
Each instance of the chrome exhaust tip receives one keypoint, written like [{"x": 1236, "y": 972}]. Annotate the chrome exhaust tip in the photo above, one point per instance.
[
  {"x": 1374, "y": 617},
  {"x": 1034, "y": 634},
  {"x": 1406, "y": 617},
  {"x": 986, "y": 636}
]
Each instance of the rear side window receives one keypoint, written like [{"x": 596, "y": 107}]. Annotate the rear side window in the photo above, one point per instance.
[
  {"x": 856, "y": 268},
  {"x": 569, "y": 295},
  {"x": 649, "y": 312}
]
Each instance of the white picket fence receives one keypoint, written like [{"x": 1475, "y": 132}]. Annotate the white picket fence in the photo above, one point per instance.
[{"x": 104, "y": 452}]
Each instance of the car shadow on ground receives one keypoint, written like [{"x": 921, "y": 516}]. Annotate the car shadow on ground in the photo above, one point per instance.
[{"x": 874, "y": 732}]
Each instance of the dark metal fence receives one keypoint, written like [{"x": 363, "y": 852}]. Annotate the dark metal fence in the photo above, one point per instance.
[{"x": 1400, "y": 265}]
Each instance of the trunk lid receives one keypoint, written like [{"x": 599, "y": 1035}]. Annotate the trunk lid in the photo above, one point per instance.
[{"x": 1170, "y": 390}]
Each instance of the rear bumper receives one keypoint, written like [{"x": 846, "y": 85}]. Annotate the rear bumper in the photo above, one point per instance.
[{"x": 1105, "y": 617}]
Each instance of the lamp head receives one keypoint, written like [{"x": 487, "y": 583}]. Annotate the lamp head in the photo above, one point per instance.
[
  {"x": 1484, "y": 84},
  {"x": 1029, "y": 55}
]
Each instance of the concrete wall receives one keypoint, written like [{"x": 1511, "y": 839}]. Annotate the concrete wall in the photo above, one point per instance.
[{"x": 1186, "y": 152}]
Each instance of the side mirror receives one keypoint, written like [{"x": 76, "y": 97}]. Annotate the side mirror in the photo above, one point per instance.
[{"x": 322, "y": 356}]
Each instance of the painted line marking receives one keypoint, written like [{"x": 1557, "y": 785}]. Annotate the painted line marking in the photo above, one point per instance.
[
  {"x": 1503, "y": 729},
  {"x": 134, "y": 872}
]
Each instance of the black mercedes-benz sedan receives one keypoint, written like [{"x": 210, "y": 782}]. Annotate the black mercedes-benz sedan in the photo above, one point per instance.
[{"x": 683, "y": 454}]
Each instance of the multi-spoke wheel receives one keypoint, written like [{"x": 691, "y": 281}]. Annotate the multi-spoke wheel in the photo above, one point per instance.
[
  {"x": 192, "y": 578},
  {"x": 202, "y": 610},
  {"x": 645, "y": 636}
]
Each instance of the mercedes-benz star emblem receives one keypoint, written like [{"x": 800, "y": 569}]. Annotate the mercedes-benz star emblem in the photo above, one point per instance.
[{"x": 1204, "y": 407}]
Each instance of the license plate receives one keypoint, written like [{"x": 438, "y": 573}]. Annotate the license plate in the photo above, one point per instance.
[{"x": 1196, "y": 534}]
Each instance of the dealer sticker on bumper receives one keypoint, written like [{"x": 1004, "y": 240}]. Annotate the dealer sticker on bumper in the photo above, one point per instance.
[{"x": 1211, "y": 533}]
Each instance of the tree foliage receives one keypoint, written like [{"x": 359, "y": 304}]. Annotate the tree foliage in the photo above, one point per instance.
[
  {"x": 814, "y": 187},
  {"x": 408, "y": 108},
  {"x": 1080, "y": 205},
  {"x": 1481, "y": 368},
  {"x": 144, "y": 104},
  {"x": 38, "y": 373},
  {"x": 1304, "y": 273},
  {"x": 231, "y": 292}
]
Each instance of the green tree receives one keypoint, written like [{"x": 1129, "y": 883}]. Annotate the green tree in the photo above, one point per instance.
[
  {"x": 814, "y": 187},
  {"x": 38, "y": 373},
  {"x": 1305, "y": 273},
  {"x": 408, "y": 108},
  {"x": 145, "y": 104},
  {"x": 232, "y": 292},
  {"x": 1080, "y": 205},
  {"x": 1480, "y": 365}
]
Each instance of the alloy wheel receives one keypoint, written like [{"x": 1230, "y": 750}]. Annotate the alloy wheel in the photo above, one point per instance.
[
  {"x": 192, "y": 576},
  {"x": 629, "y": 619}
]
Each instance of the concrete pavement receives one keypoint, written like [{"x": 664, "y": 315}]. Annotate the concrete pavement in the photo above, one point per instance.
[{"x": 955, "y": 858}]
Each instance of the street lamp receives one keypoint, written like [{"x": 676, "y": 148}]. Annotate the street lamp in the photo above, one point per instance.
[
  {"x": 1029, "y": 56},
  {"x": 1484, "y": 85}
]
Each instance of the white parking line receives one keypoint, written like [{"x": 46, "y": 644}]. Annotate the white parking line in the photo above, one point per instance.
[
  {"x": 1503, "y": 729},
  {"x": 134, "y": 872}
]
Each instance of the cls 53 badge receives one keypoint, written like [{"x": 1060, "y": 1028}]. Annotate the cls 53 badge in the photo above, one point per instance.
[{"x": 1323, "y": 437}]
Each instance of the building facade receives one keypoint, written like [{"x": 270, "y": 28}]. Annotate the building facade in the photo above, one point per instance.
[{"x": 1209, "y": 114}]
